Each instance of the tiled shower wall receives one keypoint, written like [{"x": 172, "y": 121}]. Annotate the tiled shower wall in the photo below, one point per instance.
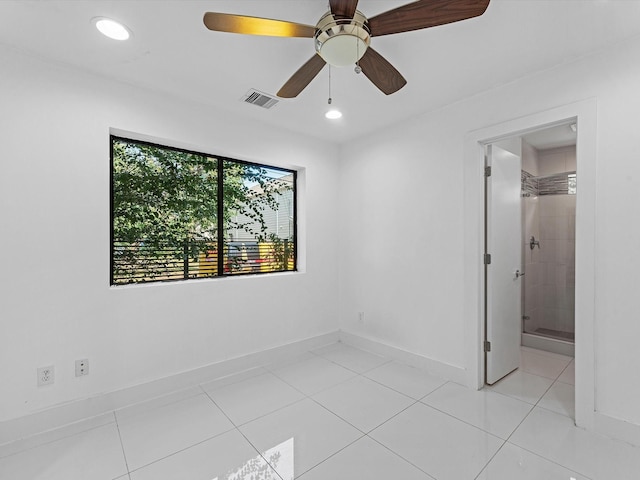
[
  {"x": 531, "y": 285},
  {"x": 557, "y": 261},
  {"x": 548, "y": 214}
]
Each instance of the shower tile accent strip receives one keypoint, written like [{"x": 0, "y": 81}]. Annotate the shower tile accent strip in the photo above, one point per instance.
[
  {"x": 529, "y": 184},
  {"x": 557, "y": 184}
]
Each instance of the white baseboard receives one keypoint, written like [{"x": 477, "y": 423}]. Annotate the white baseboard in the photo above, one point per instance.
[
  {"x": 440, "y": 369},
  {"x": 77, "y": 410},
  {"x": 617, "y": 429}
]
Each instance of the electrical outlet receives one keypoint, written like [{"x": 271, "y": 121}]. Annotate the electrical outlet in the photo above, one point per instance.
[
  {"x": 361, "y": 318},
  {"x": 82, "y": 367},
  {"x": 46, "y": 375}
]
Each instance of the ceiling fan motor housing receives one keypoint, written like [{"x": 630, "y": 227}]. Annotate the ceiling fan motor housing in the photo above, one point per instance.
[{"x": 342, "y": 41}]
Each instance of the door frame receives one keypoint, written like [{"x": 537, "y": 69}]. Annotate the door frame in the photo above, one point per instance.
[{"x": 584, "y": 113}]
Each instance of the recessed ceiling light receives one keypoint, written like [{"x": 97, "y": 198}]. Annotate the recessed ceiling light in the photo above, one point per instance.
[
  {"x": 112, "y": 29},
  {"x": 333, "y": 114}
]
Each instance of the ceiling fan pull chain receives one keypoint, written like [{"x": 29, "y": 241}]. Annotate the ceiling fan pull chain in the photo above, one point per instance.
[{"x": 329, "y": 101}]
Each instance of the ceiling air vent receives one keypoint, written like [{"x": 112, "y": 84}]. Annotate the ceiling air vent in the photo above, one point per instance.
[{"x": 254, "y": 97}]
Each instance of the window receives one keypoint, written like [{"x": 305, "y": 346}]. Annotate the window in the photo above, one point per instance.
[
  {"x": 572, "y": 184},
  {"x": 178, "y": 215}
]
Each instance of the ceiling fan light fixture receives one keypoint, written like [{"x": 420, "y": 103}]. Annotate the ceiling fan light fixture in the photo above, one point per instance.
[
  {"x": 111, "y": 28},
  {"x": 342, "y": 42},
  {"x": 333, "y": 114},
  {"x": 343, "y": 50},
  {"x": 343, "y": 34}
]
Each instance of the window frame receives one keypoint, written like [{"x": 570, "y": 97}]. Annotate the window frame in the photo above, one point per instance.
[{"x": 220, "y": 240}]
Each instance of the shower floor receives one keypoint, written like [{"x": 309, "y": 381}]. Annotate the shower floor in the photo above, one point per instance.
[{"x": 548, "y": 332}]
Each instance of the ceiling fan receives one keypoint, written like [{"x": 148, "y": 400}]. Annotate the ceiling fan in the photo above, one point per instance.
[{"x": 342, "y": 36}]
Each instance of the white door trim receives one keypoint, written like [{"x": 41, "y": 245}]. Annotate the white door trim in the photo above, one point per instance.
[{"x": 585, "y": 114}]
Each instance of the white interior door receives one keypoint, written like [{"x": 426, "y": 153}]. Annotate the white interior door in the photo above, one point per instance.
[{"x": 503, "y": 273}]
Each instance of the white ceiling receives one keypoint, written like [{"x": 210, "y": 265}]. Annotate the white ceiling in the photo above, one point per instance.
[
  {"x": 553, "y": 137},
  {"x": 171, "y": 51}
]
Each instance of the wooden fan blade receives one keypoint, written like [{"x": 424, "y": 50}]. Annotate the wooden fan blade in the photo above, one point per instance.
[
  {"x": 425, "y": 14},
  {"x": 343, "y": 8},
  {"x": 381, "y": 73},
  {"x": 226, "y": 22},
  {"x": 302, "y": 77}
]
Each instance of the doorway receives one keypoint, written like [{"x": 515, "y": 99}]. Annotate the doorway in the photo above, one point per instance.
[
  {"x": 584, "y": 115},
  {"x": 530, "y": 198},
  {"x": 549, "y": 198}
]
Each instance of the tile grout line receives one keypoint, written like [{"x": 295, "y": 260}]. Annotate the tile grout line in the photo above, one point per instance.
[
  {"x": 507, "y": 439},
  {"x": 523, "y": 420},
  {"x": 113, "y": 412},
  {"x": 124, "y": 454},
  {"x": 554, "y": 381},
  {"x": 515, "y": 429},
  {"x": 364, "y": 434},
  {"x": 331, "y": 456},
  {"x": 546, "y": 409},
  {"x": 402, "y": 393},
  {"x": 535, "y": 404},
  {"x": 355, "y": 348},
  {"x": 504, "y": 441},
  {"x": 322, "y": 390},
  {"x": 236, "y": 427},
  {"x": 310, "y": 397},
  {"x": 586, "y": 477},
  {"x": 180, "y": 450},
  {"x": 306, "y": 397},
  {"x": 398, "y": 455},
  {"x": 199, "y": 442},
  {"x": 460, "y": 419},
  {"x": 557, "y": 380},
  {"x": 557, "y": 413},
  {"x": 490, "y": 460}
]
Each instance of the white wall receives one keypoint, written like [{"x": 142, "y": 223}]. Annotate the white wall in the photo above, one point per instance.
[
  {"x": 402, "y": 200},
  {"x": 56, "y": 302}
]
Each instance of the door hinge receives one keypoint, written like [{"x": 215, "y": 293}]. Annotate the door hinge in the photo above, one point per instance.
[
  {"x": 487, "y": 346},
  {"x": 487, "y": 259},
  {"x": 487, "y": 171}
]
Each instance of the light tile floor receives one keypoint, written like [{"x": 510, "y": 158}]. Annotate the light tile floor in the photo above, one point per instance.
[{"x": 338, "y": 413}]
